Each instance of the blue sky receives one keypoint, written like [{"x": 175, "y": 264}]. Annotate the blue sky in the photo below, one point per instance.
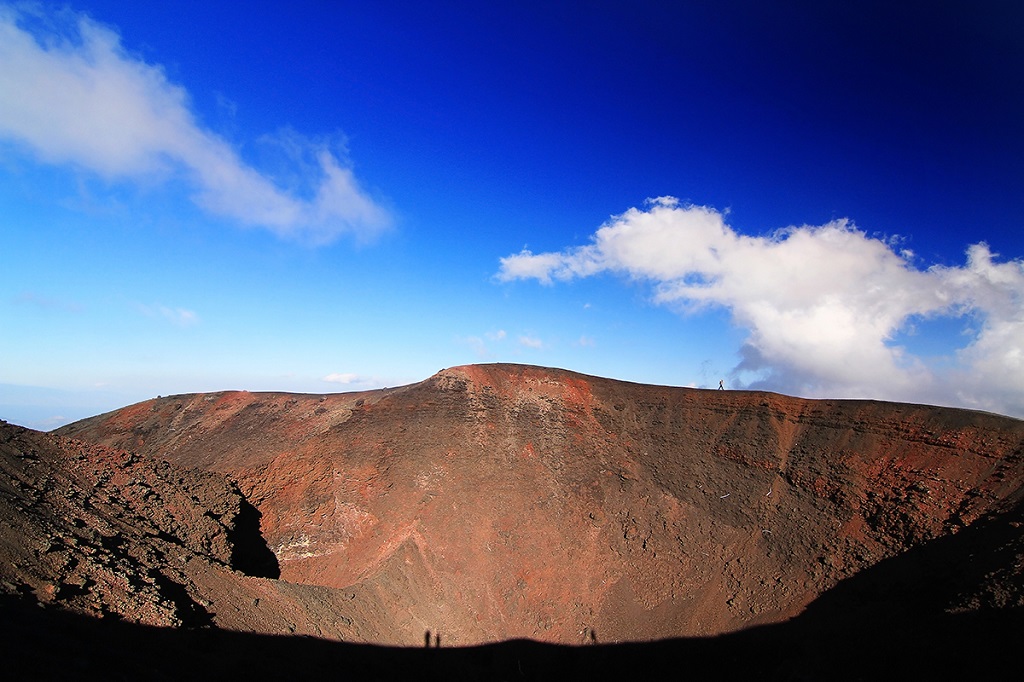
[{"x": 822, "y": 199}]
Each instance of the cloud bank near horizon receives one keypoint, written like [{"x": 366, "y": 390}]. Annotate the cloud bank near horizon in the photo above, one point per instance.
[
  {"x": 822, "y": 305},
  {"x": 72, "y": 95}
]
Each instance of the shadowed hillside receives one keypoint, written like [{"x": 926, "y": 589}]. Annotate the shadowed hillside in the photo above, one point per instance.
[{"x": 497, "y": 502}]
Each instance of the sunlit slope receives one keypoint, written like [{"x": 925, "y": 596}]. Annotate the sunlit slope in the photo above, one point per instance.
[{"x": 499, "y": 501}]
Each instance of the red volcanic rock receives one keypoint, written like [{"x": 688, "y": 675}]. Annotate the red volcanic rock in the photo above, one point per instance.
[
  {"x": 501, "y": 501},
  {"x": 100, "y": 531}
]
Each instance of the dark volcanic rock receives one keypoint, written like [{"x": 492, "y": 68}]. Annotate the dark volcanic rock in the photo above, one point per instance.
[
  {"x": 100, "y": 530},
  {"x": 501, "y": 501},
  {"x": 95, "y": 530}
]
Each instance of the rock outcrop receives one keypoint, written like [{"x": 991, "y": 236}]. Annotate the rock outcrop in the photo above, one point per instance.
[{"x": 99, "y": 531}]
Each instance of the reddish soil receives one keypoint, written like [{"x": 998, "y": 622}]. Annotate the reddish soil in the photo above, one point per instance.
[
  {"x": 496, "y": 502},
  {"x": 102, "y": 532}
]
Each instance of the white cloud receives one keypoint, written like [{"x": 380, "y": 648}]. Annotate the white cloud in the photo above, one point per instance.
[
  {"x": 344, "y": 378},
  {"x": 73, "y": 95},
  {"x": 481, "y": 346},
  {"x": 180, "y": 317},
  {"x": 821, "y": 304},
  {"x": 478, "y": 345},
  {"x": 530, "y": 342}
]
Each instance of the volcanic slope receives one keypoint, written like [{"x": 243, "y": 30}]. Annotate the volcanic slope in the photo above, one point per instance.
[
  {"x": 102, "y": 532},
  {"x": 493, "y": 502}
]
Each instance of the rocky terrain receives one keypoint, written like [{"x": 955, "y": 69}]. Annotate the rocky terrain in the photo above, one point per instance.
[
  {"x": 105, "y": 533},
  {"x": 728, "y": 532}
]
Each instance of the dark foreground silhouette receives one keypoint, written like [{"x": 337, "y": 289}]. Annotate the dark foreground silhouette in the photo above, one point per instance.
[
  {"x": 48, "y": 645},
  {"x": 934, "y": 612}
]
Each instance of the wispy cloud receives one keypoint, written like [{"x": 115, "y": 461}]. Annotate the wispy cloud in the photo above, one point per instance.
[
  {"x": 352, "y": 381},
  {"x": 180, "y": 317},
  {"x": 483, "y": 345},
  {"x": 47, "y": 303},
  {"x": 531, "y": 342},
  {"x": 822, "y": 304},
  {"x": 72, "y": 94},
  {"x": 342, "y": 378}
]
